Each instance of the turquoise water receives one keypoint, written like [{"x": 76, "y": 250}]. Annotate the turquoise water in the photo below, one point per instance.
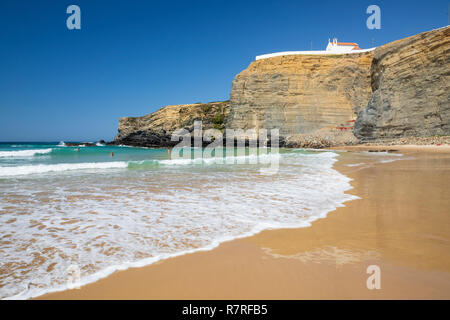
[
  {"x": 63, "y": 208},
  {"x": 15, "y": 157},
  {"x": 10, "y": 153}
]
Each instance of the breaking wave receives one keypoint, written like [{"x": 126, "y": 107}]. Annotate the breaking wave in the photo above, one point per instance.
[
  {"x": 24, "y": 153},
  {"x": 45, "y": 168}
]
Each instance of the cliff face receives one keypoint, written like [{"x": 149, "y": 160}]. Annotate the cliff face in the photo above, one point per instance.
[
  {"x": 300, "y": 93},
  {"x": 411, "y": 89},
  {"x": 155, "y": 129}
]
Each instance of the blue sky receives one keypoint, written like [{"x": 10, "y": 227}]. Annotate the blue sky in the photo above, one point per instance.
[{"x": 132, "y": 57}]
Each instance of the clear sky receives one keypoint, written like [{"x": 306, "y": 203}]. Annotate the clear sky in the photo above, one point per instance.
[{"x": 132, "y": 57}]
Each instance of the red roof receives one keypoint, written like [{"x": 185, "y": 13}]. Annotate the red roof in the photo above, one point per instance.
[{"x": 347, "y": 44}]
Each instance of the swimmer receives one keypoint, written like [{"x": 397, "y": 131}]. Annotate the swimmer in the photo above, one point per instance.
[{"x": 111, "y": 154}]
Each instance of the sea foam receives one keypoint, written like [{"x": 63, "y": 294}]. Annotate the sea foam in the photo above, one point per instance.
[{"x": 45, "y": 168}]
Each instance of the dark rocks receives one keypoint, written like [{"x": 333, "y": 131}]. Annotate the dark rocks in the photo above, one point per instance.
[{"x": 84, "y": 144}]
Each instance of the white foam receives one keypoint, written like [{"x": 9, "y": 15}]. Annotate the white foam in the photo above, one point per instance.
[
  {"x": 44, "y": 168},
  {"x": 313, "y": 52},
  {"x": 239, "y": 159},
  {"x": 388, "y": 160},
  {"x": 24, "y": 153},
  {"x": 383, "y": 153},
  {"x": 355, "y": 164}
]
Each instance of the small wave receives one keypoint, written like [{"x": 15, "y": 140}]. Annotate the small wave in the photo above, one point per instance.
[
  {"x": 388, "y": 160},
  {"x": 355, "y": 164},
  {"x": 62, "y": 144},
  {"x": 42, "y": 168},
  {"x": 24, "y": 153},
  {"x": 240, "y": 159},
  {"x": 248, "y": 159}
]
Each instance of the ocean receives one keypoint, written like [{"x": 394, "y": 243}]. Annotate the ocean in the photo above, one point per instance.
[{"x": 72, "y": 215}]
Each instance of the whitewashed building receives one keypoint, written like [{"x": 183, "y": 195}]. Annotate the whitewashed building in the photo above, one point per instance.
[{"x": 341, "y": 47}]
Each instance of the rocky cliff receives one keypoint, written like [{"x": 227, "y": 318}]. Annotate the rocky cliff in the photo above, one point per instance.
[
  {"x": 155, "y": 129},
  {"x": 300, "y": 94},
  {"x": 411, "y": 89},
  {"x": 401, "y": 89}
]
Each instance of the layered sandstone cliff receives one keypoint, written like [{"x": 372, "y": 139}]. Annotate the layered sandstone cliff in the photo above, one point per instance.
[
  {"x": 300, "y": 94},
  {"x": 410, "y": 80},
  {"x": 155, "y": 129}
]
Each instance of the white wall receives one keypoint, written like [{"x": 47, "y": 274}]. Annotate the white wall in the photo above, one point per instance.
[{"x": 319, "y": 52}]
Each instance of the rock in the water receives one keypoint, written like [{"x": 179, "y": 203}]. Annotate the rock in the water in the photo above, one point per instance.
[{"x": 82, "y": 144}]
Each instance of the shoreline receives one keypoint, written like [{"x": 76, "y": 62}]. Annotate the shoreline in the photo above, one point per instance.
[{"x": 249, "y": 268}]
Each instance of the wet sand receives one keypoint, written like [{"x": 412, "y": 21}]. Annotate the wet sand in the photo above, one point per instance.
[{"x": 401, "y": 224}]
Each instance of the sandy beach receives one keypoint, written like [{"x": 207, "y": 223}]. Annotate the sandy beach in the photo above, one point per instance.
[{"x": 401, "y": 224}]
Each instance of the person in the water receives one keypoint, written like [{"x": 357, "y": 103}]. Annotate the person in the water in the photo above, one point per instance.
[{"x": 111, "y": 154}]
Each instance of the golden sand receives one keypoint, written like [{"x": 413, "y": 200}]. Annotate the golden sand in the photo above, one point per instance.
[{"x": 401, "y": 224}]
